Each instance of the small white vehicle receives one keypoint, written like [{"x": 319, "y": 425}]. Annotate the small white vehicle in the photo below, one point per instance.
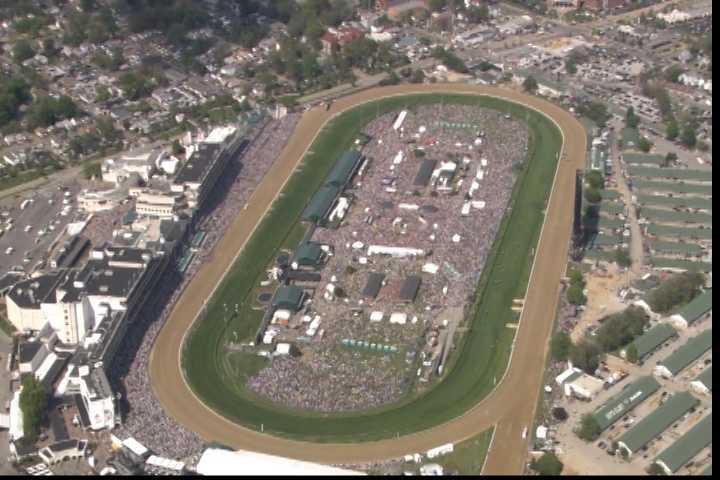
[
  {"x": 28, "y": 228},
  {"x": 9, "y": 251}
]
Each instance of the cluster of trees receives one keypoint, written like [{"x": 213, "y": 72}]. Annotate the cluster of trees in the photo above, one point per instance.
[
  {"x": 595, "y": 111},
  {"x": 450, "y": 60},
  {"x": 93, "y": 24},
  {"x": 14, "y": 91},
  {"x": 530, "y": 84},
  {"x": 548, "y": 464},
  {"x": 138, "y": 84},
  {"x": 676, "y": 291},
  {"x": 33, "y": 401},
  {"x": 45, "y": 111},
  {"x": 575, "y": 293},
  {"x": 112, "y": 61},
  {"x": 595, "y": 182},
  {"x": 22, "y": 50},
  {"x": 576, "y": 57},
  {"x": 164, "y": 15},
  {"x": 588, "y": 429}
]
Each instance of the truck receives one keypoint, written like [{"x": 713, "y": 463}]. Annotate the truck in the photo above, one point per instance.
[{"x": 25, "y": 203}]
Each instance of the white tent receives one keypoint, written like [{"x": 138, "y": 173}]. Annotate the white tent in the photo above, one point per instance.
[{"x": 225, "y": 462}]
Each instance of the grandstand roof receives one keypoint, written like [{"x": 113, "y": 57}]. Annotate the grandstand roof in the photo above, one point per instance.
[
  {"x": 687, "y": 446},
  {"x": 244, "y": 463},
  {"x": 688, "y": 353},
  {"x": 658, "y": 421},
  {"x": 344, "y": 168},
  {"x": 631, "y": 396},
  {"x": 651, "y": 340},
  {"x": 321, "y": 203}
]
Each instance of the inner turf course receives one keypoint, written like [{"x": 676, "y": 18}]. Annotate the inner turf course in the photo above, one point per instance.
[{"x": 511, "y": 404}]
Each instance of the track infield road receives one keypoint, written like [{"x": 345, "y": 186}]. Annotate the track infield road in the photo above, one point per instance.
[{"x": 510, "y": 407}]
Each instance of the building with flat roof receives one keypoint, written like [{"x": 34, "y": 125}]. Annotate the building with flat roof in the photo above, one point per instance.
[
  {"x": 699, "y": 308},
  {"x": 686, "y": 447},
  {"x": 288, "y": 297},
  {"x": 681, "y": 358},
  {"x": 630, "y": 397},
  {"x": 647, "y": 429}
]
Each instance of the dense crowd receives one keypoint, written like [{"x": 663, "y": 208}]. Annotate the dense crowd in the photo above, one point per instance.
[
  {"x": 100, "y": 227},
  {"x": 475, "y": 139},
  {"x": 145, "y": 419}
]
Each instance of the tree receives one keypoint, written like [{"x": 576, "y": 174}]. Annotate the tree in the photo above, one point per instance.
[
  {"x": 595, "y": 179},
  {"x": 644, "y": 145},
  {"x": 576, "y": 296},
  {"x": 22, "y": 51},
  {"x": 673, "y": 72},
  {"x": 672, "y": 130},
  {"x": 177, "y": 149},
  {"x": 135, "y": 85},
  {"x": 576, "y": 278},
  {"x": 589, "y": 429},
  {"x": 33, "y": 401},
  {"x": 92, "y": 170},
  {"x": 530, "y": 84},
  {"x": 675, "y": 291},
  {"x": 621, "y": 328},
  {"x": 595, "y": 111},
  {"x": 688, "y": 137},
  {"x": 45, "y": 111},
  {"x": 622, "y": 258},
  {"x": 670, "y": 158},
  {"x": 548, "y": 464},
  {"x": 570, "y": 66},
  {"x": 593, "y": 195},
  {"x": 436, "y": 5},
  {"x": 560, "y": 346},
  {"x": 631, "y": 119},
  {"x": 631, "y": 353},
  {"x": 418, "y": 76},
  {"x": 585, "y": 355}
]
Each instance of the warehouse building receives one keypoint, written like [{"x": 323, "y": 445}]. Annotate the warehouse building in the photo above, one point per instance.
[
  {"x": 686, "y": 447},
  {"x": 681, "y": 358},
  {"x": 703, "y": 382},
  {"x": 650, "y": 341},
  {"x": 698, "y": 309},
  {"x": 647, "y": 429},
  {"x": 630, "y": 397}
]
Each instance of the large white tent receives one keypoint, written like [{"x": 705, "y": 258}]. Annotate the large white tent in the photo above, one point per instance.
[{"x": 215, "y": 461}]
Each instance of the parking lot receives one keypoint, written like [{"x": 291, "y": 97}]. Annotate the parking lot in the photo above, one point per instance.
[{"x": 29, "y": 233}]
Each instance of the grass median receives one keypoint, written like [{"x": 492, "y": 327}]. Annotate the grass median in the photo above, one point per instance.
[{"x": 482, "y": 354}]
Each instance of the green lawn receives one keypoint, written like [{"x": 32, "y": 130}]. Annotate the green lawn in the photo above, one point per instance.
[
  {"x": 24, "y": 177},
  {"x": 468, "y": 457},
  {"x": 6, "y": 326},
  {"x": 483, "y": 353}
]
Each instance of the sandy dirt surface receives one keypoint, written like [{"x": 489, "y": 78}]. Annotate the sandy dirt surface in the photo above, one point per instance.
[
  {"x": 511, "y": 406},
  {"x": 602, "y": 298}
]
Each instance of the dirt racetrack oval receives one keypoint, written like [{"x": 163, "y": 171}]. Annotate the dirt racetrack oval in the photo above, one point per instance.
[{"x": 509, "y": 407}]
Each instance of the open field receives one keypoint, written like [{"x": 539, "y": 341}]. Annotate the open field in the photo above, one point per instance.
[{"x": 505, "y": 406}]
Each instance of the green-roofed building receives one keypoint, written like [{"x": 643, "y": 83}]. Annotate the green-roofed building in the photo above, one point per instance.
[
  {"x": 321, "y": 203},
  {"x": 650, "y": 341},
  {"x": 671, "y": 173},
  {"x": 703, "y": 382},
  {"x": 308, "y": 254},
  {"x": 599, "y": 255},
  {"x": 686, "y": 447},
  {"x": 288, "y": 297},
  {"x": 681, "y": 358},
  {"x": 655, "y": 215},
  {"x": 632, "y": 158},
  {"x": 610, "y": 195},
  {"x": 657, "y": 422},
  {"x": 602, "y": 240},
  {"x": 674, "y": 187},
  {"x": 675, "y": 202},
  {"x": 680, "y": 265},
  {"x": 630, "y": 397},
  {"x": 699, "y": 308},
  {"x": 675, "y": 248},
  {"x": 610, "y": 224},
  {"x": 668, "y": 231},
  {"x": 630, "y": 138},
  {"x": 612, "y": 208},
  {"x": 344, "y": 168}
]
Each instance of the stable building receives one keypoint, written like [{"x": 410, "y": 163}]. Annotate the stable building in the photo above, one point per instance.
[
  {"x": 686, "y": 447},
  {"x": 698, "y": 309},
  {"x": 630, "y": 397},
  {"x": 647, "y": 429},
  {"x": 650, "y": 341},
  {"x": 681, "y": 358},
  {"x": 703, "y": 382}
]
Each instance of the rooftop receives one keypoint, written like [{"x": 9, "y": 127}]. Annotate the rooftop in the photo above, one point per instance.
[
  {"x": 632, "y": 395},
  {"x": 688, "y": 353},
  {"x": 698, "y": 307}
]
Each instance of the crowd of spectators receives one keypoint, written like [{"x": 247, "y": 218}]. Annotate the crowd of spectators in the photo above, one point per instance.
[
  {"x": 331, "y": 377},
  {"x": 145, "y": 418}
]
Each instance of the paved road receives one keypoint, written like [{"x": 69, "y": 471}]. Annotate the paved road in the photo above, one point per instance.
[{"x": 511, "y": 405}]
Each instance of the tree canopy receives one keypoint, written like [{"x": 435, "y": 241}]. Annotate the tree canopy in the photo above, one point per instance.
[
  {"x": 548, "y": 464},
  {"x": 33, "y": 401},
  {"x": 676, "y": 291}
]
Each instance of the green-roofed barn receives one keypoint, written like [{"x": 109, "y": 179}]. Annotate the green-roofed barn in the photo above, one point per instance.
[
  {"x": 288, "y": 297},
  {"x": 630, "y": 397},
  {"x": 308, "y": 254},
  {"x": 650, "y": 341},
  {"x": 675, "y": 248},
  {"x": 344, "y": 168},
  {"x": 655, "y": 215},
  {"x": 680, "y": 265},
  {"x": 699, "y": 308},
  {"x": 666, "y": 231},
  {"x": 708, "y": 471},
  {"x": 632, "y": 158},
  {"x": 651, "y": 186},
  {"x": 657, "y": 422},
  {"x": 321, "y": 203},
  {"x": 703, "y": 382},
  {"x": 681, "y": 358},
  {"x": 671, "y": 173},
  {"x": 675, "y": 202},
  {"x": 686, "y": 447}
]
